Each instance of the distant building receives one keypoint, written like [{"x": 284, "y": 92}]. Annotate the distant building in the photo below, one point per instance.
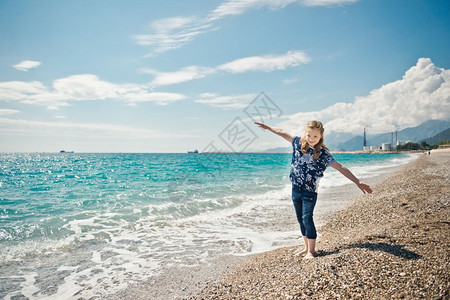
[
  {"x": 386, "y": 147},
  {"x": 372, "y": 148}
]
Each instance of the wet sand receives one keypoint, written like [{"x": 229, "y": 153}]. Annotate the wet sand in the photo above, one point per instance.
[{"x": 391, "y": 244}]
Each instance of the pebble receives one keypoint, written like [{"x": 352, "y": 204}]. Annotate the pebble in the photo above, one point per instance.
[{"x": 366, "y": 245}]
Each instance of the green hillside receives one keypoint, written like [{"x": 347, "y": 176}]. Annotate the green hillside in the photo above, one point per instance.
[{"x": 438, "y": 138}]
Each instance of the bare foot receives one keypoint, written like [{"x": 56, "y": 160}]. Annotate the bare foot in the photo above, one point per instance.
[
  {"x": 309, "y": 255},
  {"x": 300, "y": 253}
]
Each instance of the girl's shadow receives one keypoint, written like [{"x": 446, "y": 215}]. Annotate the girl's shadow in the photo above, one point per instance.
[{"x": 397, "y": 250}]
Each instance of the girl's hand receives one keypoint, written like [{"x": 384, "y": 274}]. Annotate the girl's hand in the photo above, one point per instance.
[
  {"x": 277, "y": 131},
  {"x": 262, "y": 125},
  {"x": 365, "y": 188}
]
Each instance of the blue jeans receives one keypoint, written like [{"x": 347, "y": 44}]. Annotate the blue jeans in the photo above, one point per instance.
[{"x": 304, "y": 203}]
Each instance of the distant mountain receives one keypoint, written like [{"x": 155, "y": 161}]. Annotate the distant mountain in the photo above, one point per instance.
[
  {"x": 438, "y": 138},
  {"x": 424, "y": 131},
  {"x": 335, "y": 139},
  {"x": 355, "y": 143},
  {"x": 413, "y": 134}
]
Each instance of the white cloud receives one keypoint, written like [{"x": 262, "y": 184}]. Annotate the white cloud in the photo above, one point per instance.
[
  {"x": 422, "y": 94},
  {"x": 159, "y": 98},
  {"x": 170, "y": 24},
  {"x": 266, "y": 63},
  {"x": 326, "y": 2},
  {"x": 226, "y": 102},
  {"x": 18, "y": 90},
  {"x": 6, "y": 112},
  {"x": 237, "y": 7},
  {"x": 26, "y": 65},
  {"x": 182, "y": 75},
  {"x": 290, "y": 80},
  {"x": 172, "y": 33},
  {"x": 85, "y": 87},
  {"x": 81, "y": 87},
  {"x": 80, "y": 129}
]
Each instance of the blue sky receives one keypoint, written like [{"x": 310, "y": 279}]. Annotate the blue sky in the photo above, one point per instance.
[{"x": 172, "y": 76}]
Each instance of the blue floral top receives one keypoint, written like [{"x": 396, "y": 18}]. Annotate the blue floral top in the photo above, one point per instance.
[{"x": 306, "y": 171}]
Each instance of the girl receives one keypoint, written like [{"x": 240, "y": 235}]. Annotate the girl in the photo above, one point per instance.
[{"x": 310, "y": 158}]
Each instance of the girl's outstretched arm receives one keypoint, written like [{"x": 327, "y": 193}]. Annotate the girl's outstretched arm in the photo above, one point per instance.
[
  {"x": 276, "y": 130},
  {"x": 346, "y": 172}
]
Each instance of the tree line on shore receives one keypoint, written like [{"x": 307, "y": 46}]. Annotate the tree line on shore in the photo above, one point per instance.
[{"x": 422, "y": 146}]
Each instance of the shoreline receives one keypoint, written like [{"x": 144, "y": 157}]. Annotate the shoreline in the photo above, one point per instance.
[
  {"x": 393, "y": 243},
  {"x": 181, "y": 282}
]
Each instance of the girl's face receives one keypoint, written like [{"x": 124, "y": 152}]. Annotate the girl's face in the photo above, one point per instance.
[{"x": 312, "y": 136}]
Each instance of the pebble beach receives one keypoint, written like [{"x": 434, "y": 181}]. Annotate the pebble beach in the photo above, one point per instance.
[{"x": 392, "y": 244}]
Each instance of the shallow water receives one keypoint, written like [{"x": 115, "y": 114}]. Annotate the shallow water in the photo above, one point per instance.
[{"x": 75, "y": 225}]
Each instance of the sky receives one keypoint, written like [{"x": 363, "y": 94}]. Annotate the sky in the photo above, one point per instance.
[{"x": 172, "y": 76}]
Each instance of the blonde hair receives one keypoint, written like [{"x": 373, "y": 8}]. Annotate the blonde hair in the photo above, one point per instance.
[{"x": 305, "y": 146}]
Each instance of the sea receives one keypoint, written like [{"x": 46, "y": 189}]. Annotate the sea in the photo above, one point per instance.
[{"x": 80, "y": 225}]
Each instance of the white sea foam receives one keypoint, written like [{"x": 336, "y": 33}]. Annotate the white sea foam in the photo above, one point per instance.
[
  {"x": 109, "y": 250},
  {"x": 28, "y": 287},
  {"x": 136, "y": 252}
]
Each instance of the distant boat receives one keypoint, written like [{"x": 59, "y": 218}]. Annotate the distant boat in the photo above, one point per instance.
[
  {"x": 195, "y": 151},
  {"x": 64, "y": 151}
]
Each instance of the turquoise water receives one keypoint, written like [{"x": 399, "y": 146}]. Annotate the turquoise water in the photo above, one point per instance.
[
  {"x": 73, "y": 221},
  {"x": 43, "y": 192}
]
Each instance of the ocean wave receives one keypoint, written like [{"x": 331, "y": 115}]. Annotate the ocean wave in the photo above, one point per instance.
[{"x": 118, "y": 229}]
